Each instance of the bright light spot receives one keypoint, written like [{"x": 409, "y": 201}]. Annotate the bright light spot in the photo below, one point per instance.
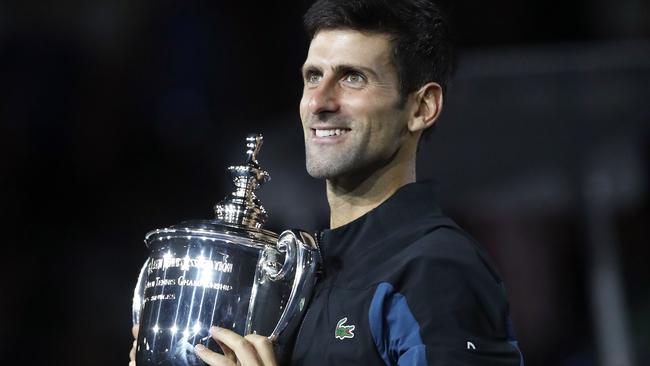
[
  {"x": 156, "y": 328},
  {"x": 206, "y": 276},
  {"x": 186, "y": 333},
  {"x": 197, "y": 327},
  {"x": 174, "y": 329}
]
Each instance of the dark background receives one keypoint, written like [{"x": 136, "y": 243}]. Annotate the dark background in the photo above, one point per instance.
[{"x": 119, "y": 117}]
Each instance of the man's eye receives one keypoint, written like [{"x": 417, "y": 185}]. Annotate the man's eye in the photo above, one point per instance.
[
  {"x": 313, "y": 78},
  {"x": 354, "y": 78}
]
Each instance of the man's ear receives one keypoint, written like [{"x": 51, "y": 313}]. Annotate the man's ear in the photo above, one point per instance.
[{"x": 427, "y": 107}]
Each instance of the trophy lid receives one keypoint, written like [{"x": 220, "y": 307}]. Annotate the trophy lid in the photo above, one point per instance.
[
  {"x": 240, "y": 214},
  {"x": 242, "y": 207}
]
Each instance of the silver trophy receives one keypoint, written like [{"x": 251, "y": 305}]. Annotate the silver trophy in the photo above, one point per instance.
[{"x": 227, "y": 272}]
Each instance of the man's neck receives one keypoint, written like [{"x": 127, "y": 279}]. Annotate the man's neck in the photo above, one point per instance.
[{"x": 349, "y": 199}]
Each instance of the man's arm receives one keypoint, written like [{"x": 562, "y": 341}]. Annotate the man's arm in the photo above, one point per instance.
[{"x": 447, "y": 307}]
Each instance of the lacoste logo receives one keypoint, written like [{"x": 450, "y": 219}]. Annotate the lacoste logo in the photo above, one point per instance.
[{"x": 343, "y": 331}]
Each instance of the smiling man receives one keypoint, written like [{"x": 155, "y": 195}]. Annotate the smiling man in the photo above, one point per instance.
[
  {"x": 361, "y": 134},
  {"x": 402, "y": 283}
]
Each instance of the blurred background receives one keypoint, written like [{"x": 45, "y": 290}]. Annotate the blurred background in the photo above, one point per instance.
[{"x": 119, "y": 117}]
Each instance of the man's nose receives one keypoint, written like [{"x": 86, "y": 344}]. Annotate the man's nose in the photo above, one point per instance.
[{"x": 324, "y": 98}]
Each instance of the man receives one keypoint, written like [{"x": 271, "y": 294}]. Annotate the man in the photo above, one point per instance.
[{"x": 403, "y": 284}]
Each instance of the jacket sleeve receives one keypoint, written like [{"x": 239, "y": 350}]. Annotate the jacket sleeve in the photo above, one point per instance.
[{"x": 445, "y": 306}]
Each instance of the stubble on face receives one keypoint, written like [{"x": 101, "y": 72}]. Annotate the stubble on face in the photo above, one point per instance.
[{"x": 332, "y": 161}]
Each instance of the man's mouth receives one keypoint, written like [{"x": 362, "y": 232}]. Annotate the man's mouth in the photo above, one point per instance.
[{"x": 330, "y": 132}]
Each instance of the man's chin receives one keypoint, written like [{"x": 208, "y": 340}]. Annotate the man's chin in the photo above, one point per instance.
[
  {"x": 318, "y": 174},
  {"x": 323, "y": 172}
]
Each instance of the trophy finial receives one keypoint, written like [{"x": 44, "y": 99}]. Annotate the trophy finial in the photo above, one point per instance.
[
  {"x": 242, "y": 207},
  {"x": 253, "y": 145}
]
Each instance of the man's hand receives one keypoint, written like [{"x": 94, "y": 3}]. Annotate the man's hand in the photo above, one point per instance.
[
  {"x": 134, "y": 330},
  {"x": 251, "y": 350}
]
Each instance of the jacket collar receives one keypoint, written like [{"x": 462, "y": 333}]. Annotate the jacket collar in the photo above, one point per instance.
[{"x": 410, "y": 205}]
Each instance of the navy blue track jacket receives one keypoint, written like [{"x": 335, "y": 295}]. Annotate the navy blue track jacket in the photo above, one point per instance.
[{"x": 404, "y": 285}]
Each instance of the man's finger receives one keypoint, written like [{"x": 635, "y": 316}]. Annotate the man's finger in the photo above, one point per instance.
[
  {"x": 134, "y": 331},
  {"x": 132, "y": 353},
  {"x": 212, "y": 358},
  {"x": 244, "y": 350},
  {"x": 227, "y": 351},
  {"x": 264, "y": 348}
]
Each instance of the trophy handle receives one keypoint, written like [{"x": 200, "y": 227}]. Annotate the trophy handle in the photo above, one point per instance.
[
  {"x": 138, "y": 293},
  {"x": 303, "y": 257}
]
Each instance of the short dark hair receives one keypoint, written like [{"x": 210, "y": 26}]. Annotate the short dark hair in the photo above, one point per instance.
[{"x": 422, "y": 50}]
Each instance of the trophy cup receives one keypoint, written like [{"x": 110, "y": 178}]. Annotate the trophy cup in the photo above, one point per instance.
[{"x": 228, "y": 272}]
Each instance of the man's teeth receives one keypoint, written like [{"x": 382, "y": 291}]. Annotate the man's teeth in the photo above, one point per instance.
[{"x": 326, "y": 133}]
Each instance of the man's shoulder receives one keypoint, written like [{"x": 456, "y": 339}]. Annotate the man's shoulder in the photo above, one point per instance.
[
  {"x": 447, "y": 270},
  {"x": 444, "y": 241},
  {"x": 445, "y": 254},
  {"x": 431, "y": 249}
]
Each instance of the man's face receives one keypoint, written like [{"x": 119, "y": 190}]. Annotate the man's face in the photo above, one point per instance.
[{"x": 350, "y": 109}]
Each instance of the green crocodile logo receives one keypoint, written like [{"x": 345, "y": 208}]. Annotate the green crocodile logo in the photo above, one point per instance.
[{"x": 343, "y": 331}]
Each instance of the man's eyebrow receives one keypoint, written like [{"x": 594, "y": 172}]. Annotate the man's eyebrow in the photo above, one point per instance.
[
  {"x": 307, "y": 67},
  {"x": 340, "y": 69},
  {"x": 343, "y": 68}
]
